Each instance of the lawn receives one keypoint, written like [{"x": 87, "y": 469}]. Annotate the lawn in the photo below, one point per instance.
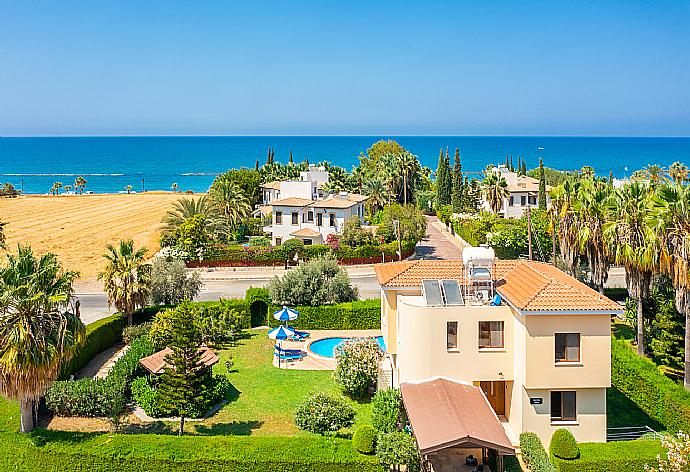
[{"x": 264, "y": 397}]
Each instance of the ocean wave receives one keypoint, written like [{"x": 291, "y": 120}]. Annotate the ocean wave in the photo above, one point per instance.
[
  {"x": 198, "y": 174},
  {"x": 61, "y": 175}
]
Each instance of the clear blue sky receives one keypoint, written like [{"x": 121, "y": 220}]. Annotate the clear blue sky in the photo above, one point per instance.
[{"x": 297, "y": 67}]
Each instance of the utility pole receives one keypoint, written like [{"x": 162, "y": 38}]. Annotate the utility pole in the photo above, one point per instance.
[
  {"x": 529, "y": 231},
  {"x": 396, "y": 227}
]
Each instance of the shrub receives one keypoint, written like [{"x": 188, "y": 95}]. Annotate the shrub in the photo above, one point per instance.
[
  {"x": 398, "y": 448},
  {"x": 564, "y": 445},
  {"x": 320, "y": 413},
  {"x": 426, "y": 201},
  {"x": 354, "y": 235},
  {"x": 613, "y": 457},
  {"x": 84, "y": 397},
  {"x": 357, "y": 365},
  {"x": 318, "y": 282},
  {"x": 534, "y": 454},
  {"x": 259, "y": 241},
  {"x": 364, "y": 314},
  {"x": 386, "y": 407},
  {"x": 146, "y": 397},
  {"x": 191, "y": 236},
  {"x": 657, "y": 395},
  {"x": 412, "y": 223},
  {"x": 364, "y": 439},
  {"x": 171, "y": 282},
  {"x": 130, "y": 333}
]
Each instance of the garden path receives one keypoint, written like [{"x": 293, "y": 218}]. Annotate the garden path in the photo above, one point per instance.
[{"x": 439, "y": 244}]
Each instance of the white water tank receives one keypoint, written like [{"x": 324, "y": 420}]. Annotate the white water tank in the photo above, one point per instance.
[{"x": 478, "y": 257}]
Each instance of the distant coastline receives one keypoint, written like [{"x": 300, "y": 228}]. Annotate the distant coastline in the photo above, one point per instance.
[{"x": 109, "y": 164}]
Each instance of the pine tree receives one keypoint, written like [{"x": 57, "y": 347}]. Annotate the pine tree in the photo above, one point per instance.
[
  {"x": 440, "y": 178},
  {"x": 183, "y": 384},
  {"x": 456, "y": 199},
  {"x": 542, "y": 185}
]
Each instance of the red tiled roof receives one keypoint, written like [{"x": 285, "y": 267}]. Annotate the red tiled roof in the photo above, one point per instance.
[
  {"x": 155, "y": 363},
  {"x": 527, "y": 285},
  {"x": 446, "y": 413}
]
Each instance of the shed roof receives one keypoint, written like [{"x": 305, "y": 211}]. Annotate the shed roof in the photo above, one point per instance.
[
  {"x": 447, "y": 413},
  {"x": 156, "y": 364}
]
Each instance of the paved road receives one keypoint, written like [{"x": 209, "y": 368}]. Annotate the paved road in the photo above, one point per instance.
[{"x": 437, "y": 245}]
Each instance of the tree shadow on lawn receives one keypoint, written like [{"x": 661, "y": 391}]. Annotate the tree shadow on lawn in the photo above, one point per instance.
[
  {"x": 622, "y": 330},
  {"x": 235, "y": 428},
  {"x": 621, "y": 412}
]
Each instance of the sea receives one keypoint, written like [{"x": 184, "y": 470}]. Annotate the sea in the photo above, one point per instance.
[{"x": 110, "y": 164}]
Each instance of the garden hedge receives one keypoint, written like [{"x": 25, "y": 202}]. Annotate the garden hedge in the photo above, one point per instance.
[
  {"x": 54, "y": 451},
  {"x": 534, "y": 454},
  {"x": 563, "y": 445},
  {"x": 363, "y": 314},
  {"x": 640, "y": 380},
  {"x": 628, "y": 456}
]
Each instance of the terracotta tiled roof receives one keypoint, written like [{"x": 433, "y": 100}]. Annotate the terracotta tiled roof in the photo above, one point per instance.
[
  {"x": 527, "y": 285},
  {"x": 155, "y": 363},
  {"x": 292, "y": 201},
  {"x": 445, "y": 413},
  {"x": 275, "y": 185},
  {"x": 306, "y": 233},
  {"x": 340, "y": 201},
  {"x": 526, "y": 184}
]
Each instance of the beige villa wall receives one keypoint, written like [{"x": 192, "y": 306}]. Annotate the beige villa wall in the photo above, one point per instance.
[
  {"x": 590, "y": 425},
  {"x": 542, "y": 371},
  {"x": 421, "y": 350},
  {"x": 389, "y": 307}
]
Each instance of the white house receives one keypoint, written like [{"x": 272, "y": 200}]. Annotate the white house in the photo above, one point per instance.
[{"x": 523, "y": 192}]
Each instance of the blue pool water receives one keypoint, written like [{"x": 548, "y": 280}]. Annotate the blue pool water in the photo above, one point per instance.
[{"x": 326, "y": 347}]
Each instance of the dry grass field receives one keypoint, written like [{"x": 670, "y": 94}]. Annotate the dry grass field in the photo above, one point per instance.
[{"x": 77, "y": 228}]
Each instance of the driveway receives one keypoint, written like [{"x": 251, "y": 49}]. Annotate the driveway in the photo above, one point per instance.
[{"x": 438, "y": 244}]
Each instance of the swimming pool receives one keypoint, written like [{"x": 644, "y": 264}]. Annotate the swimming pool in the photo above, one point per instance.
[{"x": 326, "y": 347}]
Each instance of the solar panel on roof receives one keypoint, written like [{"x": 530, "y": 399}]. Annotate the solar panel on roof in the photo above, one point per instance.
[
  {"x": 451, "y": 290},
  {"x": 432, "y": 292}
]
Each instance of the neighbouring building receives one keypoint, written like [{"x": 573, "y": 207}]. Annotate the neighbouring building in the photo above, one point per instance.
[
  {"x": 301, "y": 209},
  {"x": 523, "y": 192},
  {"x": 533, "y": 341}
]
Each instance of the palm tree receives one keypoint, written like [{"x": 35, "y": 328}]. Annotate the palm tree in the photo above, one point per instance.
[
  {"x": 592, "y": 213},
  {"x": 563, "y": 202},
  {"x": 79, "y": 184},
  {"x": 128, "y": 188},
  {"x": 671, "y": 221},
  {"x": 678, "y": 172},
  {"x": 174, "y": 187},
  {"x": 231, "y": 201},
  {"x": 2, "y": 235},
  {"x": 126, "y": 278},
  {"x": 655, "y": 173},
  {"x": 67, "y": 188},
  {"x": 408, "y": 166},
  {"x": 494, "y": 189},
  {"x": 377, "y": 192},
  {"x": 39, "y": 331},
  {"x": 55, "y": 189},
  {"x": 632, "y": 243},
  {"x": 185, "y": 208}
]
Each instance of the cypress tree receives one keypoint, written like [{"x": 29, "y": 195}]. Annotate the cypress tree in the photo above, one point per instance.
[
  {"x": 512, "y": 169},
  {"x": 542, "y": 185},
  {"x": 183, "y": 384},
  {"x": 448, "y": 181},
  {"x": 524, "y": 168},
  {"x": 507, "y": 163},
  {"x": 256, "y": 165},
  {"x": 456, "y": 198},
  {"x": 519, "y": 165},
  {"x": 611, "y": 177},
  {"x": 290, "y": 161},
  {"x": 440, "y": 178}
]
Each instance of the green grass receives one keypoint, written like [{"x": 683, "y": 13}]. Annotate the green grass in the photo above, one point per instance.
[
  {"x": 621, "y": 411},
  {"x": 9, "y": 415},
  {"x": 630, "y": 456},
  {"x": 264, "y": 397}
]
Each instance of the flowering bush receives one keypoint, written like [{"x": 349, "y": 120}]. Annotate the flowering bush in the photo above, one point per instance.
[
  {"x": 677, "y": 455},
  {"x": 320, "y": 413},
  {"x": 398, "y": 448},
  {"x": 333, "y": 241},
  {"x": 357, "y": 365}
]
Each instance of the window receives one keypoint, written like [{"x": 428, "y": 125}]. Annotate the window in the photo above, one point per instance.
[
  {"x": 490, "y": 334},
  {"x": 532, "y": 200},
  {"x": 279, "y": 217},
  {"x": 295, "y": 218},
  {"x": 451, "y": 335},
  {"x": 310, "y": 216},
  {"x": 567, "y": 347},
  {"x": 279, "y": 241},
  {"x": 331, "y": 221},
  {"x": 307, "y": 242},
  {"x": 523, "y": 200},
  {"x": 563, "y": 406},
  {"x": 319, "y": 219},
  {"x": 512, "y": 201}
]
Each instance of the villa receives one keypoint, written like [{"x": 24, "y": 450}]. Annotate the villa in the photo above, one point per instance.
[
  {"x": 302, "y": 209},
  {"x": 481, "y": 343},
  {"x": 523, "y": 192}
]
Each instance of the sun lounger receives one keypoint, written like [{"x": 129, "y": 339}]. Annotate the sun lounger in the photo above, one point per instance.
[
  {"x": 300, "y": 336},
  {"x": 287, "y": 351}
]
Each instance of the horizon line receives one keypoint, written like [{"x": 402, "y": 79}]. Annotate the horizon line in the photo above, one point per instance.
[{"x": 340, "y": 136}]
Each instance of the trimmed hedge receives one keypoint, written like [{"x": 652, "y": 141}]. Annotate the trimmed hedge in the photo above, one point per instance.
[
  {"x": 364, "y": 439},
  {"x": 362, "y": 314},
  {"x": 563, "y": 445},
  {"x": 80, "y": 452},
  {"x": 534, "y": 454},
  {"x": 628, "y": 456},
  {"x": 640, "y": 380}
]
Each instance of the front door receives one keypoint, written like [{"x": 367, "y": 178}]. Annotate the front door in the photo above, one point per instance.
[{"x": 495, "y": 392}]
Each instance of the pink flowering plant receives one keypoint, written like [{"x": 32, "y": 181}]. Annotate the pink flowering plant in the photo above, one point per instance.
[{"x": 357, "y": 366}]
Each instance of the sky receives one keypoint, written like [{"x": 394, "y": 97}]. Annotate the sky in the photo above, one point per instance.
[{"x": 603, "y": 68}]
